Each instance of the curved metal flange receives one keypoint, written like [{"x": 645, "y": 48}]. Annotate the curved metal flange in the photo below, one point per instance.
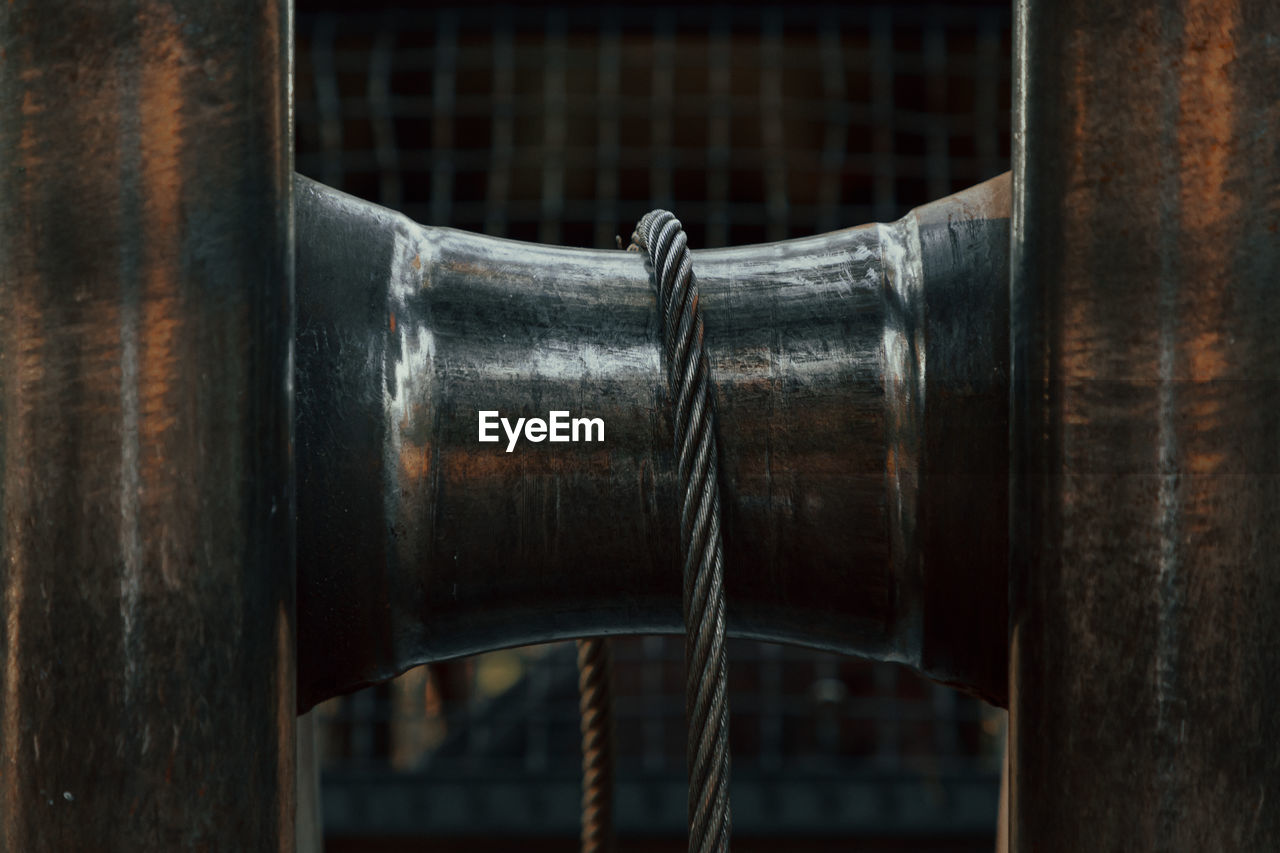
[{"x": 862, "y": 390}]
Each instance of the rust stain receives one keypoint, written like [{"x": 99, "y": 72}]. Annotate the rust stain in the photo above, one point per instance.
[
  {"x": 25, "y": 314},
  {"x": 1207, "y": 350},
  {"x": 14, "y": 594},
  {"x": 29, "y": 105},
  {"x": 23, "y": 319},
  {"x": 1206, "y": 118},
  {"x": 1209, "y": 210},
  {"x": 1079, "y": 204},
  {"x": 415, "y": 463},
  {"x": 491, "y": 464},
  {"x": 276, "y": 35},
  {"x": 161, "y": 321},
  {"x": 393, "y": 322},
  {"x": 468, "y": 466},
  {"x": 30, "y": 146}
]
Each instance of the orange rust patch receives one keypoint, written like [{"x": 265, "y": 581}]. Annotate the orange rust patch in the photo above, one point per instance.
[
  {"x": 415, "y": 462},
  {"x": 161, "y": 323},
  {"x": 1206, "y": 121},
  {"x": 29, "y": 105},
  {"x": 1080, "y": 201}
]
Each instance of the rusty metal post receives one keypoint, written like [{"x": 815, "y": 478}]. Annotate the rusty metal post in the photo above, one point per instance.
[
  {"x": 1145, "y": 604},
  {"x": 146, "y": 262}
]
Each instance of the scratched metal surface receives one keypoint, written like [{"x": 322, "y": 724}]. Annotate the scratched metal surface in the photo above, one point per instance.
[
  {"x": 853, "y": 520},
  {"x": 1146, "y": 503},
  {"x": 146, "y": 657}
]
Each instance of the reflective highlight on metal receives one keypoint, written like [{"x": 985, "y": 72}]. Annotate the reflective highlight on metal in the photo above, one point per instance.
[
  {"x": 864, "y": 496},
  {"x": 661, "y": 237},
  {"x": 1145, "y": 522},
  {"x": 146, "y": 590}
]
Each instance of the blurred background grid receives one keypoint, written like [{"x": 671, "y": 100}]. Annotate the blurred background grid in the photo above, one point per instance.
[{"x": 565, "y": 124}]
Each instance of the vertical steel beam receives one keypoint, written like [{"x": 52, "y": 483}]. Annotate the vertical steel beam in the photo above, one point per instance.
[
  {"x": 146, "y": 542},
  {"x": 1145, "y": 502}
]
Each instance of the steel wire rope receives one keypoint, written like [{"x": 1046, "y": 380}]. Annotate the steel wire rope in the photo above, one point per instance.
[{"x": 661, "y": 237}]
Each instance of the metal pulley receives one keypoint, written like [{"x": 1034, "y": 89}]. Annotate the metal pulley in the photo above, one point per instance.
[
  {"x": 447, "y": 335},
  {"x": 861, "y": 387}
]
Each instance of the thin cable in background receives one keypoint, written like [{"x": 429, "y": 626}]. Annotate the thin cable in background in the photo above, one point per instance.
[{"x": 595, "y": 704}]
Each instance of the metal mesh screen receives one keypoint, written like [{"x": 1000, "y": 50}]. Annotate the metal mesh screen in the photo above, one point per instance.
[
  {"x": 821, "y": 744},
  {"x": 564, "y": 125}
]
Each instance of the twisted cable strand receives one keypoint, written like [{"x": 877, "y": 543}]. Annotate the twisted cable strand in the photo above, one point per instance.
[
  {"x": 595, "y": 705},
  {"x": 661, "y": 236}
]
